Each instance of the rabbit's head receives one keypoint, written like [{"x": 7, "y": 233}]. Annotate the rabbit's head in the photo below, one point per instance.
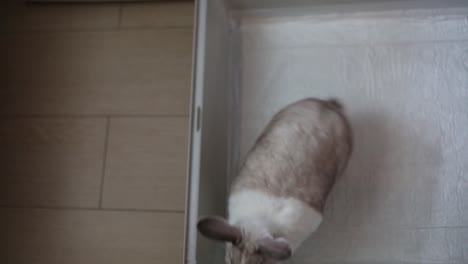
[{"x": 243, "y": 247}]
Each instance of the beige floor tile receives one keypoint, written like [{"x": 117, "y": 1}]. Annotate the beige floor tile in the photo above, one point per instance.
[
  {"x": 146, "y": 164},
  {"x": 51, "y": 162},
  {"x": 89, "y": 237},
  {"x": 31, "y": 17},
  {"x": 120, "y": 72},
  {"x": 158, "y": 14}
]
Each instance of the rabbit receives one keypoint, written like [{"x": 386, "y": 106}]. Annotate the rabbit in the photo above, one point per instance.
[{"x": 277, "y": 199}]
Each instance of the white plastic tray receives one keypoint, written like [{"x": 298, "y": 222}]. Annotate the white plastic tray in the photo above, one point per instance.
[{"x": 401, "y": 70}]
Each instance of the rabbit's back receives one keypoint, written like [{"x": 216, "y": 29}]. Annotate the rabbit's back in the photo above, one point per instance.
[{"x": 301, "y": 152}]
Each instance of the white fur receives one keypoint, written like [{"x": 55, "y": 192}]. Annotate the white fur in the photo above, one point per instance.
[{"x": 262, "y": 214}]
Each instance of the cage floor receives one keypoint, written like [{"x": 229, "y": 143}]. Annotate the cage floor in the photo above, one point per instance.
[{"x": 403, "y": 78}]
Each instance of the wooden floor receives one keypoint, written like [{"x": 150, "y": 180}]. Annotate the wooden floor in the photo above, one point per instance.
[{"x": 94, "y": 104}]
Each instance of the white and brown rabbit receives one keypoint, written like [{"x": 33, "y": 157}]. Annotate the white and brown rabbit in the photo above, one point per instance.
[{"x": 277, "y": 200}]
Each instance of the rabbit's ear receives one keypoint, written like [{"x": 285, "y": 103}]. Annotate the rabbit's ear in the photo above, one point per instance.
[
  {"x": 278, "y": 249},
  {"x": 217, "y": 228}
]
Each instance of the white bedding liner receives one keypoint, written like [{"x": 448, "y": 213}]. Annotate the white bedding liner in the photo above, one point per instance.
[{"x": 403, "y": 78}]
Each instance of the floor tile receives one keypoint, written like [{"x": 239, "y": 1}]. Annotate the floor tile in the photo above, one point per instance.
[
  {"x": 116, "y": 73},
  {"x": 146, "y": 164},
  {"x": 158, "y": 14},
  {"x": 51, "y": 161},
  {"x": 92, "y": 237},
  {"x": 33, "y": 17}
]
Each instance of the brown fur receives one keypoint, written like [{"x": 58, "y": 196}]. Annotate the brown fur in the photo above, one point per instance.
[{"x": 282, "y": 163}]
